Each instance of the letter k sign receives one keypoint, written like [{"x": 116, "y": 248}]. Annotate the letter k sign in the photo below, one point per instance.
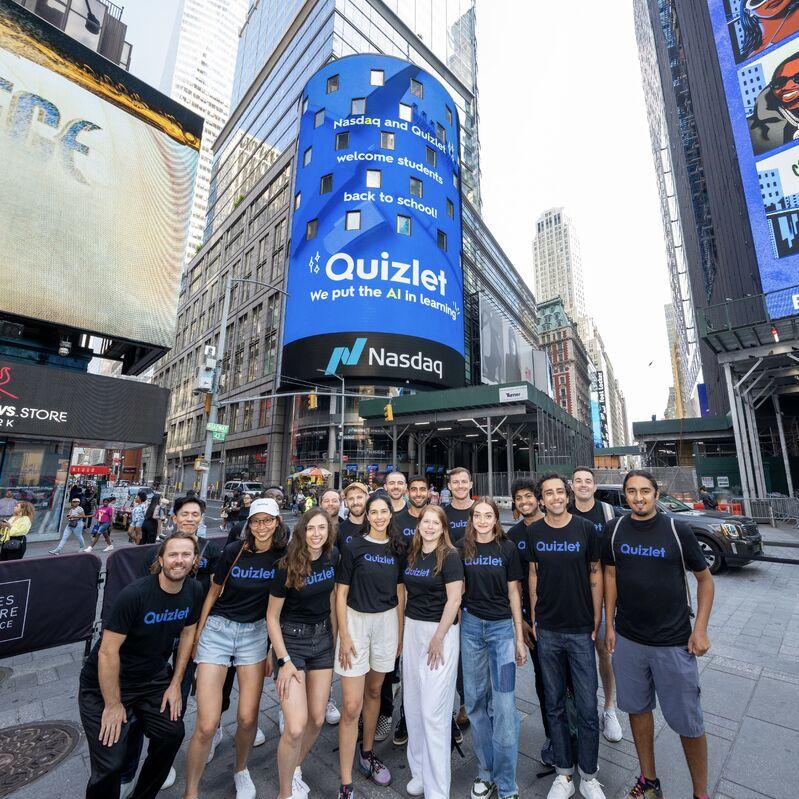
[{"x": 345, "y": 356}]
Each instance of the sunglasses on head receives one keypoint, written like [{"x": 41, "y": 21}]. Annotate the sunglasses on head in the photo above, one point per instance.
[{"x": 783, "y": 80}]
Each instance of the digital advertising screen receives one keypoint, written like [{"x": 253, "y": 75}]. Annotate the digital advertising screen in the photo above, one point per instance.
[
  {"x": 97, "y": 185},
  {"x": 505, "y": 356},
  {"x": 375, "y": 281},
  {"x": 758, "y": 52}
]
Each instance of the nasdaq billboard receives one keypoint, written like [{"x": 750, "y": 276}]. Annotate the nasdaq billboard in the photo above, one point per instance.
[
  {"x": 375, "y": 282},
  {"x": 758, "y": 52}
]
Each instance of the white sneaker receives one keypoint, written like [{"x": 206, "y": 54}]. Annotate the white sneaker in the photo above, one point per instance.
[
  {"x": 260, "y": 738},
  {"x": 299, "y": 788},
  {"x": 281, "y": 722},
  {"x": 87, "y": 549},
  {"x": 591, "y": 789},
  {"x": 482, "y": 789},
  {"x": 108, "y": 548},
  {"x": 170, "y": 779},
  {"x": 332, "y": 713},
  {"x": 562, "y": 788},
  {"x": 611, "y": 728},
  {"x": 245, "y": 787},
  {"x": 215, "y": 741},
  {"x": 414, "y": 787}
]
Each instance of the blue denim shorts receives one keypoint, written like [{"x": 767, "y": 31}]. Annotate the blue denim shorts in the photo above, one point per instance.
[{"x": 224, "y": 642}]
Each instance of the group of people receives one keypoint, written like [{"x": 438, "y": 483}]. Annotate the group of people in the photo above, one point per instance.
[{"x": 439, "y": 599}]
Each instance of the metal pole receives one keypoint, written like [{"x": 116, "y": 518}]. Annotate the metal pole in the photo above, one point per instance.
[
  {"x": 341, "y": 440},
  {"x": 739, "y": 441},
  {"x": 757, "y": 457},
  {"x": 394, "y": 453},
  {"x": 783, "y": 445},
  {"x": 509, "y": 458},
  {"x": 220, "y": 354},
  {"x": 490, "y": 458}
]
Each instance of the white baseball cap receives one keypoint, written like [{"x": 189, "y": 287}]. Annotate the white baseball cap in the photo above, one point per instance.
[{"x": 264, "y": 506}]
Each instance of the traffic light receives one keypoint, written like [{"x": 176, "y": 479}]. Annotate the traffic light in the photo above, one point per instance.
[
  {"x": 207, "y": 404},
  {"x": 313, "y": 402},
  {"x": 388, "y": 413}
]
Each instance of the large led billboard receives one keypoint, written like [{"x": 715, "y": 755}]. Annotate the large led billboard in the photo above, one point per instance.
[
  {"x": 97, "y": 184},
  {"x": 375, "y": 282},
  {"x": 758, "y": 52}
]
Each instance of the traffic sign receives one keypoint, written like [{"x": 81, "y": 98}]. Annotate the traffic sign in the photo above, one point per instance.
[
  {"x": 217, "y": 436},
  {"x": 201, "y": 465},
  {"x": 215, "y": 427}
]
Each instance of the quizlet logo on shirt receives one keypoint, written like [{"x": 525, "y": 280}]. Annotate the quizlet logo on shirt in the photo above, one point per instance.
[
  {"x": 557, "y": 546},
  {"x": 380, "y": 356},
  {"x": 483, "y": 560},
  {"x": 642, "y": 551},
  {"x": 388, "y": 559},
  {"x": 152, "y": 617},
  {"x": 251, "y": 573},
  {"x": 320, "y": 577}
]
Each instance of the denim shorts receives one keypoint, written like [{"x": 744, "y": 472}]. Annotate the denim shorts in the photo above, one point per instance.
[
  {"x": 309, "y": 645},
  {"x": 224, "y": 642}
]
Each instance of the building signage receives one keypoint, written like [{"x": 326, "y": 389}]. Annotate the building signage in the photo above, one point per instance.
[
  {"x": 215, "y": 427},
  {"x": 602, "y": 410},
  {"x": 723, "y": 481},
  {"x": 758, "y": 53},
  {"x": 62, "y": 403},
  {"x": 375, "y": 281},
  {"x": 514, "y": 394},
  {"x": 13, "y": 609},
  {"x": 96, "y": 470}
]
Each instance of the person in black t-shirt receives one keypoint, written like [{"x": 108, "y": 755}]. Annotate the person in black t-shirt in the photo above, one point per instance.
[
  {"x": 654, "y": 649},
  {"x": 301, "y": 622},
  {"x": 128, "y": 672},
  {"x": 370, "y": 601},
  {"x": 232, "y": 630},
  {"x": 355, "y": 495},
  {"x": 566, "y": 599},
  {"x": 396, "y": 487},
  {"x": 433, "y": 585},
  {"x": 492, "y": 646}
]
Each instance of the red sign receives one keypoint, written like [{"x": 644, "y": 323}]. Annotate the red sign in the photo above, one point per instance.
[{"x": 89, "y": 470}]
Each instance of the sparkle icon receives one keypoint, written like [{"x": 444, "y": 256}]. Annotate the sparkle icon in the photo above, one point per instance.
[{"x": 313, "y": 263}]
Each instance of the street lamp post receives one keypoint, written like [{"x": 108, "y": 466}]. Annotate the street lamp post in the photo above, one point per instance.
[{"x": 341, "y": 431}]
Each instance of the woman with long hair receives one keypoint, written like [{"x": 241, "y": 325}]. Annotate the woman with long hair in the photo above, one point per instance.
[
  {"x": 232, "y": 629},
  {"x": 492, "y": 646},
  {"x": 14, "y": 532},
  {"x": 763, "y": 23},
  {"x": 302, "y": 629},
  {"x": 433, "y": 581},
  {"x": 370, "y": 602},
  {"x": 152, "y": 519}
]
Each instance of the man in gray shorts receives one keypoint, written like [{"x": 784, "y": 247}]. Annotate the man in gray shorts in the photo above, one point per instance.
[{"x": 645, "y": 557}]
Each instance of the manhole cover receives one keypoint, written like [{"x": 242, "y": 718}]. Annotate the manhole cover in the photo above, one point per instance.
[
  {"x": 29, "y": 751},
  {"x": 5, "y": 674}
]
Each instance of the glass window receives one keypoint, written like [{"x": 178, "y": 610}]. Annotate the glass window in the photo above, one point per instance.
[
  {"x": 454, "y": 180},
  {"x": 430, "y": 156},
  {"x": 326, "y": 184},
  {"x": 376, "y": 77},
  {"x": 298, "y": 198},
  {"x": 448, "y": 112},
  {"x": 441, "y": 240},
  {"x": 440, "y": 132},
  {"x": 450, "y": 208},
  {"x": 332, "y": 84},
  {"x": 403, "y": 225},
  {"x": 310, "y": 229},
  {"x": 374, "y": 178},
  {"x": 417, "y": 90},
  {"x": 319, "y": 118},
  {"x": 358, "y": 105},
  {"x": 306, "y": 157},
  {"x": 342, "y": 140},
  {"x": 352, "y": 220},
  {"x": 405, "y": 112},
  {"x": 416, "y": 187},
  {"x": 387, "y": 140},
  {"x": 304, "y": 104}
]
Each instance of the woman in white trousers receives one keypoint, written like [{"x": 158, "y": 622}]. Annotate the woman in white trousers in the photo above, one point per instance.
[{"x": 433, "y": 580}]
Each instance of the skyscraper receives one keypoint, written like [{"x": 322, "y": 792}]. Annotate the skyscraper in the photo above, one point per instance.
[
  {"x": 557, "y": 267},
  {"x": 200, "y": 76}
]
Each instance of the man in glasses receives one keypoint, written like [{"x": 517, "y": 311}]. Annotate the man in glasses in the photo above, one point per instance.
[{"x": 775, "y": 120}]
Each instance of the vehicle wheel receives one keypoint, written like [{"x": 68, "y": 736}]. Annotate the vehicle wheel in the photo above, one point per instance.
[{"x": 712, "y": 552}]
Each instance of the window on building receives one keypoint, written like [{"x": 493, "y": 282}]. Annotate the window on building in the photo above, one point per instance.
[
  {"x": 403, "y": 225},
  {"x": 246, "y": 422},
  {"x": 376, "y": 77},
  {"x": 352, "y": 220},
  {"x": 326, "y": 183},
  {"x": 342, "y": 140},
  {"x": 448, "y": 112},
  {"x": 441, "y": 240},
  {"x": 450, "y": 208},
  {"x": 270, "y": 353},
  {"x": 440, "y": 132},
  {"x": 297, "y": 199},
  {"x": 405, "y": 112},
  {"x": 304, "y": 104},
  {"x": 233, "y": 420},
  {"x": 454, "y": 180},
  {"x": 387, "y": 140},
  {"x": 374, "y": 178},
  {"x": 430, "y": 156},
  {"x": 310, "y": 229},
  {"x": 417, "y": 89},
  {"x": 306, "y": 156},
  {"x": 319, "y": 118},
  {"x": 332, "y": 84},
  {"x": 358, "y": 105},
  {"x": 416, "y": 187}
]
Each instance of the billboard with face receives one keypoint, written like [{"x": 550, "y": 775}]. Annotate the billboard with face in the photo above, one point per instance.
[
  {"x": 375, "y": 282},
  {"x": 98, "y": 179},
  {"x": 758, "y": 51}
]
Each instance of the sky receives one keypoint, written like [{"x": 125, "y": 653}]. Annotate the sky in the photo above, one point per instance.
[{"x": 562, "y": 123}]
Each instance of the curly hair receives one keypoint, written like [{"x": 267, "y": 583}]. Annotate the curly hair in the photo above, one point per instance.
[
  {"x": 297, "y": 560},
  {"x": 470, "y": 539},
  {"x": 444, "y": 545}
]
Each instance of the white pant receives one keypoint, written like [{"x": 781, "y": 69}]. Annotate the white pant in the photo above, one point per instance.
[{"x": 428, "y": 696}]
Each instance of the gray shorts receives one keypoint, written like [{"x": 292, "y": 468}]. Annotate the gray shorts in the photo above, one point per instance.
[{"x": 670, "y": 672}]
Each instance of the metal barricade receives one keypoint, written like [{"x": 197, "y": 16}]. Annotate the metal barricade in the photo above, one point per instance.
[{"x": 771, "y": 510}]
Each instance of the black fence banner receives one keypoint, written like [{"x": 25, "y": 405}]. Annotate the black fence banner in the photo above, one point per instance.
[{"x": 46, "y": 602}]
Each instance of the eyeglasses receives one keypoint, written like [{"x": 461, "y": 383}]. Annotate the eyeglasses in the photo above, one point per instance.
[
  {"x": 779, "y": 83},
  {"x": 262, "y": 522}
]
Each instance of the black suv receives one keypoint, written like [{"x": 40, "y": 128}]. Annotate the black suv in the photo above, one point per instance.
[{"x": 721, "y": 536}]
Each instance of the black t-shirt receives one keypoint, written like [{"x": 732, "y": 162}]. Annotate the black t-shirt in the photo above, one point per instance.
[
  {"x": 246, "y": 593},
  {"x": 520, "y": 535},
  {"x": 563, "y": 556},
  {"x": 487, "y": 576},
  {"x": 151, "y": 619},
  {"x": 426, "y": 590},
  {"x": 595, "y": 516},
  {"x": 372, "y": 571},
  {"x": 406, "y": 524},
  {"x": 458, "y": 519},
  {"x": 234, "y": 510},
  {"x": 347, "y": 530},
  {"x": 311, "y": 604},
  {"x": 234, "y": 534},
  {"x": 651, "y": 603}
]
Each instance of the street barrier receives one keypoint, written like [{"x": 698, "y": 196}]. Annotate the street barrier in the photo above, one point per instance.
[
  {"x": 47, "y": 602},
  {"x": 771, "y": 510}
]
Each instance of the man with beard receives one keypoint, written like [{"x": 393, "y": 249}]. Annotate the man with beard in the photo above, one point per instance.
[
  {"x": 355, "y": 495},
  {"x": 128, "y": 672},
  {"x": 459, "y": 481},
  {"x": 775, "y": 119},
  {"x": 396, "y": 488}
]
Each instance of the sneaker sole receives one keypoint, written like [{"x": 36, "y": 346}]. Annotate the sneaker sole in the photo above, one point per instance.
[
  {"x": 401, "y": 742},
  {"x": 492, "y": 792},
  {"x": 367, "y": 772}
]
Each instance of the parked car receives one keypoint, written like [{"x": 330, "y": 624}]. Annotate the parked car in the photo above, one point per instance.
[
  {"x": 720, "y": 535},
  {"x": 244, "y": 486}
]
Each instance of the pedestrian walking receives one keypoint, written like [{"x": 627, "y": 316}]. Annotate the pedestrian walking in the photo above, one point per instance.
[
  {"x": 73, "y": 527},
  {"x": 89, "y": 505},
  {"x": 370, "y": 600},
  {"x": 152, "y": 520},
  {"x": 566, "y": 597},
  {"x": 232, "y": 629},
  {"x": 128, "y": 673},
  {"x": 14, "y": 532},
  {"x": 302, "y": 629},
  {"x": 649, "y": 631},
  {"x": 137, "y": 517},
  {"x": 492, "y": 646},
  {"x": 708, "y": 500},
  {"x": 102, "y": 525},
  {"x": 433, "y": 580}
]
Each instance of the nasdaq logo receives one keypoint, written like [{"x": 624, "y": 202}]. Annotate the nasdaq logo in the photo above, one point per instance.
[{"x": 345, "y": 356}]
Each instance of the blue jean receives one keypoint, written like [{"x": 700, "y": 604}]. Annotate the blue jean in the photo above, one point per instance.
[
  {"x": 556, "y": 651},
  {"x": 70, "y": 531},
  {"x": 488, "y": 652}
]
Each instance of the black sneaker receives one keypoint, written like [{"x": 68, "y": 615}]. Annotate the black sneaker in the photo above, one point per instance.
[
  {"x": 383, "y": 728},
  {"x": 457, "y": 732},
  {"x": 345, "y": 792},
  {"x": 401, "y": 732}
]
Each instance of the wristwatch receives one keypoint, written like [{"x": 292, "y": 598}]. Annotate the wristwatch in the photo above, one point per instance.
[{"x": 282, "y": 661}]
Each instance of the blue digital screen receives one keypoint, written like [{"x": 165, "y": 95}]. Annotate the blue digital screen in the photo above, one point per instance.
[
  {"x": 758, "y": 52},
  {"x": 375, "y": 281}
]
